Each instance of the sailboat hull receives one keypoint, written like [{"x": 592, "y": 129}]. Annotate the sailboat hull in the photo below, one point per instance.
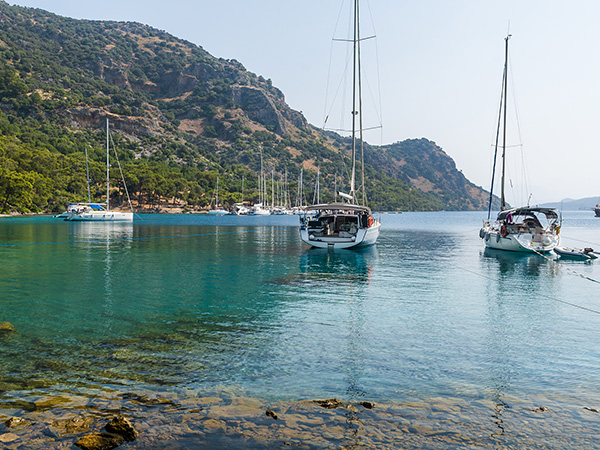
[
  {"x": 101, "y": 216},
  {"x": 525, "y": 242},
  {"x": 316, "y": 235}
]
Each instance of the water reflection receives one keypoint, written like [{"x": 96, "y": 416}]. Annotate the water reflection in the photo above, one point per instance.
[
  {"x": 101, "y": 231},
  {"x": 517, "y": 313},
  {"x": 353, "y": 267},
  {"x": 529, "y": 265}
]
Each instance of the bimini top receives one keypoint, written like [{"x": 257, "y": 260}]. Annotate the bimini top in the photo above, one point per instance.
[
  {"x": 550, "y": 213},
  {"x": 339, "y": 207}
]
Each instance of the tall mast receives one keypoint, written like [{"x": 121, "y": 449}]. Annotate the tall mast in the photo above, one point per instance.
[
  {"x": 87, "y": 174},
  {"x": 354, "y": 112},
  {"x": 360, "y": 112},
  {"x": 502, "y": 197},
  {"x": 107, "y": 170}
]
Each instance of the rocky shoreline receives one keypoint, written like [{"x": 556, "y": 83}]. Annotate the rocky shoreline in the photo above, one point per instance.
[{"x": 220, "y": 420}]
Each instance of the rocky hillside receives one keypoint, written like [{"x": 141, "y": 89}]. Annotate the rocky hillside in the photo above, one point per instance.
[{"x": 182, "y": 118}]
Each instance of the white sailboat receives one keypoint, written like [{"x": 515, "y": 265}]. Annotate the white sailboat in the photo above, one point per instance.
[
  {"x": 344, "y": 224},
  {"x": 100, "y": 212},
  {"x": 260, "y": 208},
  {"x": 523, "y": 229},
  {"x": 217, "y": 210}
]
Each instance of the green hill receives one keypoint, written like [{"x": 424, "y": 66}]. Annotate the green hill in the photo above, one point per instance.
[{"x": 180, "y": 117}]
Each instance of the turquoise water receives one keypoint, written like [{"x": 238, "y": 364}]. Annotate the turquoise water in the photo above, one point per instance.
[{"x": 197, "y": 304}]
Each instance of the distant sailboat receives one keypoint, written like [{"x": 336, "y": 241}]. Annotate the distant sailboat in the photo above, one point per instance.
[
  {"x": 260, "y": 209},
  {"x": 100, "y": 212},
  {"x": 344, "y": 224},
  {"x": 524, "y": 229},
  {"x": 217, "y": 210}
]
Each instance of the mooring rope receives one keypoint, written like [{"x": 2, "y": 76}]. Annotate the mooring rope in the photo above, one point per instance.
[{"x": 541, "y": 294}]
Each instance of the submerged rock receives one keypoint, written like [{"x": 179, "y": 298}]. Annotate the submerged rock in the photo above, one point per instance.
[
  {"x": 122, "y": 427},
  {"x": 99, "y": 441},
  {"x": 330, "y": 403},
  {"x": 15, "y": 422},
  {"x": 73, "y": 425},
  {"x": 6, "y": 327},
  {"x": 368, "y": 405},
  {"x": 540, "y": 409},
  {"x": 8, "y": 437},
  {"x": 270, "y": 413}
]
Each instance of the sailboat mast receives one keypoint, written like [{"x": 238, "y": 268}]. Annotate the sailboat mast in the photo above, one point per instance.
[
  {"x": 354, "y": 112},
  {"x": 107, "y": 170},
  {"x": 87, "y": 174},
  {"x": 360, "y": 112},
  {"x": 502, "y": 197}
]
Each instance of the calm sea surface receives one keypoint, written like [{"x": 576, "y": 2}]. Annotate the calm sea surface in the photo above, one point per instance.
[{"x": 192, "y": 306}]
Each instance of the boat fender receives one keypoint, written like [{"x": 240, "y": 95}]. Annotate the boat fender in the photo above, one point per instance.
[
  {"x": 503, "y": 231},
  {"x": 370, "y": 221},
  {"x": 482, "y": 233}
]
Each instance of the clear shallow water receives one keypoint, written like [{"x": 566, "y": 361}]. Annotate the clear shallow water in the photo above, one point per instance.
[{"x": 198, "y": 304}]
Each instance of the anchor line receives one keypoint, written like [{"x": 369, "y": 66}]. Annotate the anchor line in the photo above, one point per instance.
[
  {"x": 574, "y": 272},
  {"x": 541, "y": 294}
]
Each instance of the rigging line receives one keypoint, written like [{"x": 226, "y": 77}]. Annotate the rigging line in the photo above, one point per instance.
[
  {"x": 22, "y": 244},
  {"x": 121, "y": 170},
  {"x": 496, "y": 148},
  {"x": 585, "y": 277},
  {"x": 326, "y": 115},
  {"x": 510, "y": 146},
  {"x": 580, "y": 240},
  {"x": 380, "y": 113},
  {"x": 539, "y": 293},
  {"x": 525, "y": 169}
]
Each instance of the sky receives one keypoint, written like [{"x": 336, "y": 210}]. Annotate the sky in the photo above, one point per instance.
[{"x": 438, "y": 68}]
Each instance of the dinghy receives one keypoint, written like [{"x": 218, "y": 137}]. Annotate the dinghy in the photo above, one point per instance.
[{"x": 576, "y": 253}]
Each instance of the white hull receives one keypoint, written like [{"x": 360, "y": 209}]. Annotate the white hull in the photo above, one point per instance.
[
  {"x": 363, "y": 238},
  {"x": 101, "y": 216},
  {"x": 524, "y": 242},
  {"x": 218, "y": 212}
]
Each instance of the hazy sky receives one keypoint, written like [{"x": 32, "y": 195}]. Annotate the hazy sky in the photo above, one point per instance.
[{"x": 440, "y": 71}]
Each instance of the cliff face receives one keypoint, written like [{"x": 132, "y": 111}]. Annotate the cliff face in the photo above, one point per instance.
[
  {"x": 425, "y": 166},
  {"x": 175, "y": 103}
]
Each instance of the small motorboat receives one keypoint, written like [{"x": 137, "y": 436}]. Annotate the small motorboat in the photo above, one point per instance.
[{"x": 576, "y": 253}]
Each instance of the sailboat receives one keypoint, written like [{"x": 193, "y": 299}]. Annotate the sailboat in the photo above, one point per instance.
[
  {"x": 217, "y": 210},
  {"x": 260, "y": 209},
  {"x": 345, "y": 224},
  {"x": 100, "y": 212},
  {"x": 74, "y": 207},
  {"x": 522, "y": 229}
]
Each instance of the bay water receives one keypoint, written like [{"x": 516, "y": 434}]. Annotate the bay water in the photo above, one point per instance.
[{"x": 501, "y": 348}]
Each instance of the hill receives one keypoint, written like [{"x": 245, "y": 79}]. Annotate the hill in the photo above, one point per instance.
[
  {"x": 569, "y": 204},
  {"x": 182, "y": 117}
]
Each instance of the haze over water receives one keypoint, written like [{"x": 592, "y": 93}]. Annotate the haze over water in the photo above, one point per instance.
[{"x": 192, "y": 306}]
